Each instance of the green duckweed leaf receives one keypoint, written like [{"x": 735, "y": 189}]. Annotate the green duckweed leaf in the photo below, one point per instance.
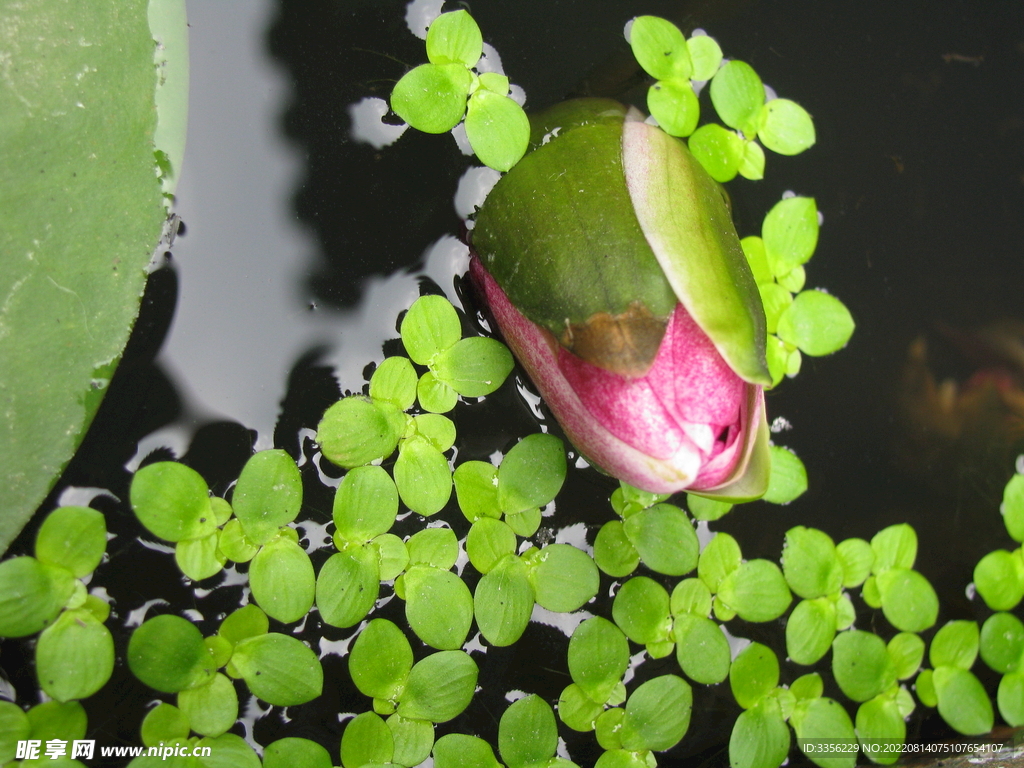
[
  {"x": 347, "y": 586},
  {"x": 211, "y": 709},
  {"x": 454, "y": 38},
  {"x": 394, "y": 380},
  {"x": 365, "y": 504},
  {"x": 563, "y": 578},
  {"x": 74, "y": 538},
  {"x": 760, "y": 738},
  {"x": 279, "y": 669},
  {"x": 234, "y": 544},
  {"x": 499, "y": 132},
  {"x": 220, "y": 649},
  {"x": 1010, "y": 699},
  {"x": 227, "y": 751},
  {"x": 434, "y": 395},
  {"x": 720, "y": 151},
  {"x": 925, "y": 688},
  {"x": 788, "y": 479},
  {"x": 247, "y": 621},
  {"x": 392, "y": 555},
  {"x": 999, "y": 578},
  {"x": 366, "y": 741},
  {"x": 608, "y": 728},
  {"x": 437, "y": 429},
  {"x": 757, "y": 259},
  {"x": 74, "y": 656},
  {"x": 824, "y": 720},
  {"x": 1002, "y": 642},
  {"x": 737, "y": 94},
  {"x": 807, "y": 687},
  {"x": 439, "y": 687},
  {"x": 476, "y": 488},
  {"x": 476, "y": 366},
  {"x": 810, "y": 562},
  {"x": 674, "y": 105},
  {"x": 757, "y": 591},
  {"x": 432, "y": 98},
  {"x": 164, "y": 723},
  {"x": 703, "y": 508},
  {"x": 894, "y": 547},
  {"x": 577, "y": 710},
  {"x": 701, "y": 649},
  {"x": 282, "y": 580},
  {"x": 753, "y": 675},
  {"x": 456, "y": 750},
  {"x": 641, "y": 611},
  {"x": 357, "y": 431},
  {"x": 172, "y": 501},
  {"x": 488, "y": 541},
  {"x": 775, "y": 300},
  {"x": 752, "y": 161},
  {"x": 437, "y": 547},
  {"x": 664, "y": 538},
  {"x": 598, "y": 656},
  {"x": 816, "y": 322},
  {"x": 14, "y": 727},
  {"x": 963, "y": 703},
  {"x": 380, "y": 660},
  {"x": 527, "y": 732},
  {"x": 956, "y": 644},
  {"x": 718, "y": 559},
  {"x": 200, "y": 558},
  {"x": 790, "y": 233},
  {"x": 531, "y": 474},
  {"x": 268, "y": 494},
  {"x": 57, "y": 720},
  {"x": 691, "y": 596},
  {"x": 909, "y": 602},
  {"x": 503, "y": 602},
  {"x": 907, "y": 652},
  {"x": 810, "y": 630},
  {"x": 657, "y": 714},
  {"x": 705, "y": 55},
  {"x": 1013, "y": 507},
  {"x": 438, "y": 606},
  {"x": 613, "y": 551},
  {"x": 293, "y": 752},
  {"x": 429, "y": 327},
  {"x": 786, "y": 127},
  {"x": 862, "y": 665},
  {"x": 857, "y": 559},
  {"x": 880, "y": 729},
  {"x": 31, "y": 595},
  {"x": 660, "y": 48},
  {"x": 423, "y": 477},
  {"x": 413, "y": 740},
  {"x": 167, "y": 653}
]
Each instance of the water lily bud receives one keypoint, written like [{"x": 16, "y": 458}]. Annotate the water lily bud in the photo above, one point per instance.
[{"x": 611, "y": 264}]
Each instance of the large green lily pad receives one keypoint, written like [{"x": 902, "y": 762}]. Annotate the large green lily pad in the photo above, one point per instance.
[{"x": 82, "y": 193}]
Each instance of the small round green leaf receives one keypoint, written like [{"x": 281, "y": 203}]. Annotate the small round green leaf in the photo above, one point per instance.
[
  {"x": 563, "y": 578},
  {"x": 282, "y": 580},
  {"x": 476, "y": 488},
  {"x": 737, "y": 93},
  {"x": 476, "y": 366},
  {"x": 760, "y": 738},
  {"x": 1010, "y": 699},
  {"x": 790, "y": 233},
  {"x": 436, "y": 547},
  {"x": 857, "y": 559},
  {"x": 862, "y": 665},
  {"x": 503, "y": 602},
  {"x": 1013, "y": 507},
  {"x": 956, "y": 644},
  {"x": 74, "y": 538},
  {"x": 247, "y": 621},
  {"x": 392, "y": 555},
  {"x": 499, "y": 133},
  {"x": 757, "y": 591},
  {"x": 380, "y": 660},
  {"x": 881, "y": 729},
  {"x": 293, "y": 752},
  {"x": 439, "y": 687},
  {"x": 753, "y": 675},
  {"x": 437, "y": 429},
  {"x": 788, "y": 479},
  {"x": 641, "y": 610},
  {"x": 234, "y": 544},
  {"x": 413, "y": 739},
  {"x": 367, "y": 741},
  {"x": 200, "y": 558},
  {"x": 456, "y": 750},
  {"x": 894, "y": 547},
  {"x": 963, "y": 703},
  {"x": 357, "y": 431},
  {"x": 432, "y": 98},
  {"x": 720, "y": 151},
  {"x": 826, "y": 722},
  {"x": 31, "y": 595},
  {"x": 705, "y": 55},
  {"x": 613, "y": 551},
  {"x": 598, "y": 656},
  {"x": 752, "y": 161},
  {"x": 816, "y": 322},
  {"x": 907, "y": 652},
  {"x": 703, "y": 508},
  {"x": 718, "y": 559},
  {"x": 434, "y": 395},
  {"x": 531, "y": 474},
  {"x": 810, "y": 562},
  {"x": 527, "y": 732},
  {"x": 660, "y": 48},
  {"x": 691, "y": 596},
  {"x": 1002, "y": 642},
  {"x": 454, "y": 38},
  {"x": 268, "y": 494},
  {"x": 347, "y": 586},
  {"x": 810, "y": 630},
  {"x": 488, "y": 541},
  {"x": 674, "y": 105},
  {"x": 164, "y": 722},
  {"x": 74, "y": 656},
  {"x": 577, "y": 710},
  {"x": 172, "y": 501},
  {"x": 657, "y": 714},
  {"x": 429, "y": 327},
  {"x": 786, "y": 127},
  {"x": 701, "y": 649},
  {"x": 14, "y": 727},
  {"x": 211, "y": 709},
  {"x": 279, "y": 669},
  {"x": 365, "y": 504},
  {"x": 438, "y": 606},
  {"x": 423, "y": 476},
  {"x": 999, "y": 578},
  {"x": 909, "y": 602},
  {"x": 167, "y": 653},
  {"x": 664, "y": 538}
]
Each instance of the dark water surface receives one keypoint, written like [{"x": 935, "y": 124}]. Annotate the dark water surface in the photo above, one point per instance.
[{"x": 302, "y": 246}]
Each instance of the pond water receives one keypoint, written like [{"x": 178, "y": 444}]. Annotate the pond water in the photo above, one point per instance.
[{"x": 301, "y": 246}]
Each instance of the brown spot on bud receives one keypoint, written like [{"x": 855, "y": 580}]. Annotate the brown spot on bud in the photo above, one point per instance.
[{"x": 625, "y": 344}]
